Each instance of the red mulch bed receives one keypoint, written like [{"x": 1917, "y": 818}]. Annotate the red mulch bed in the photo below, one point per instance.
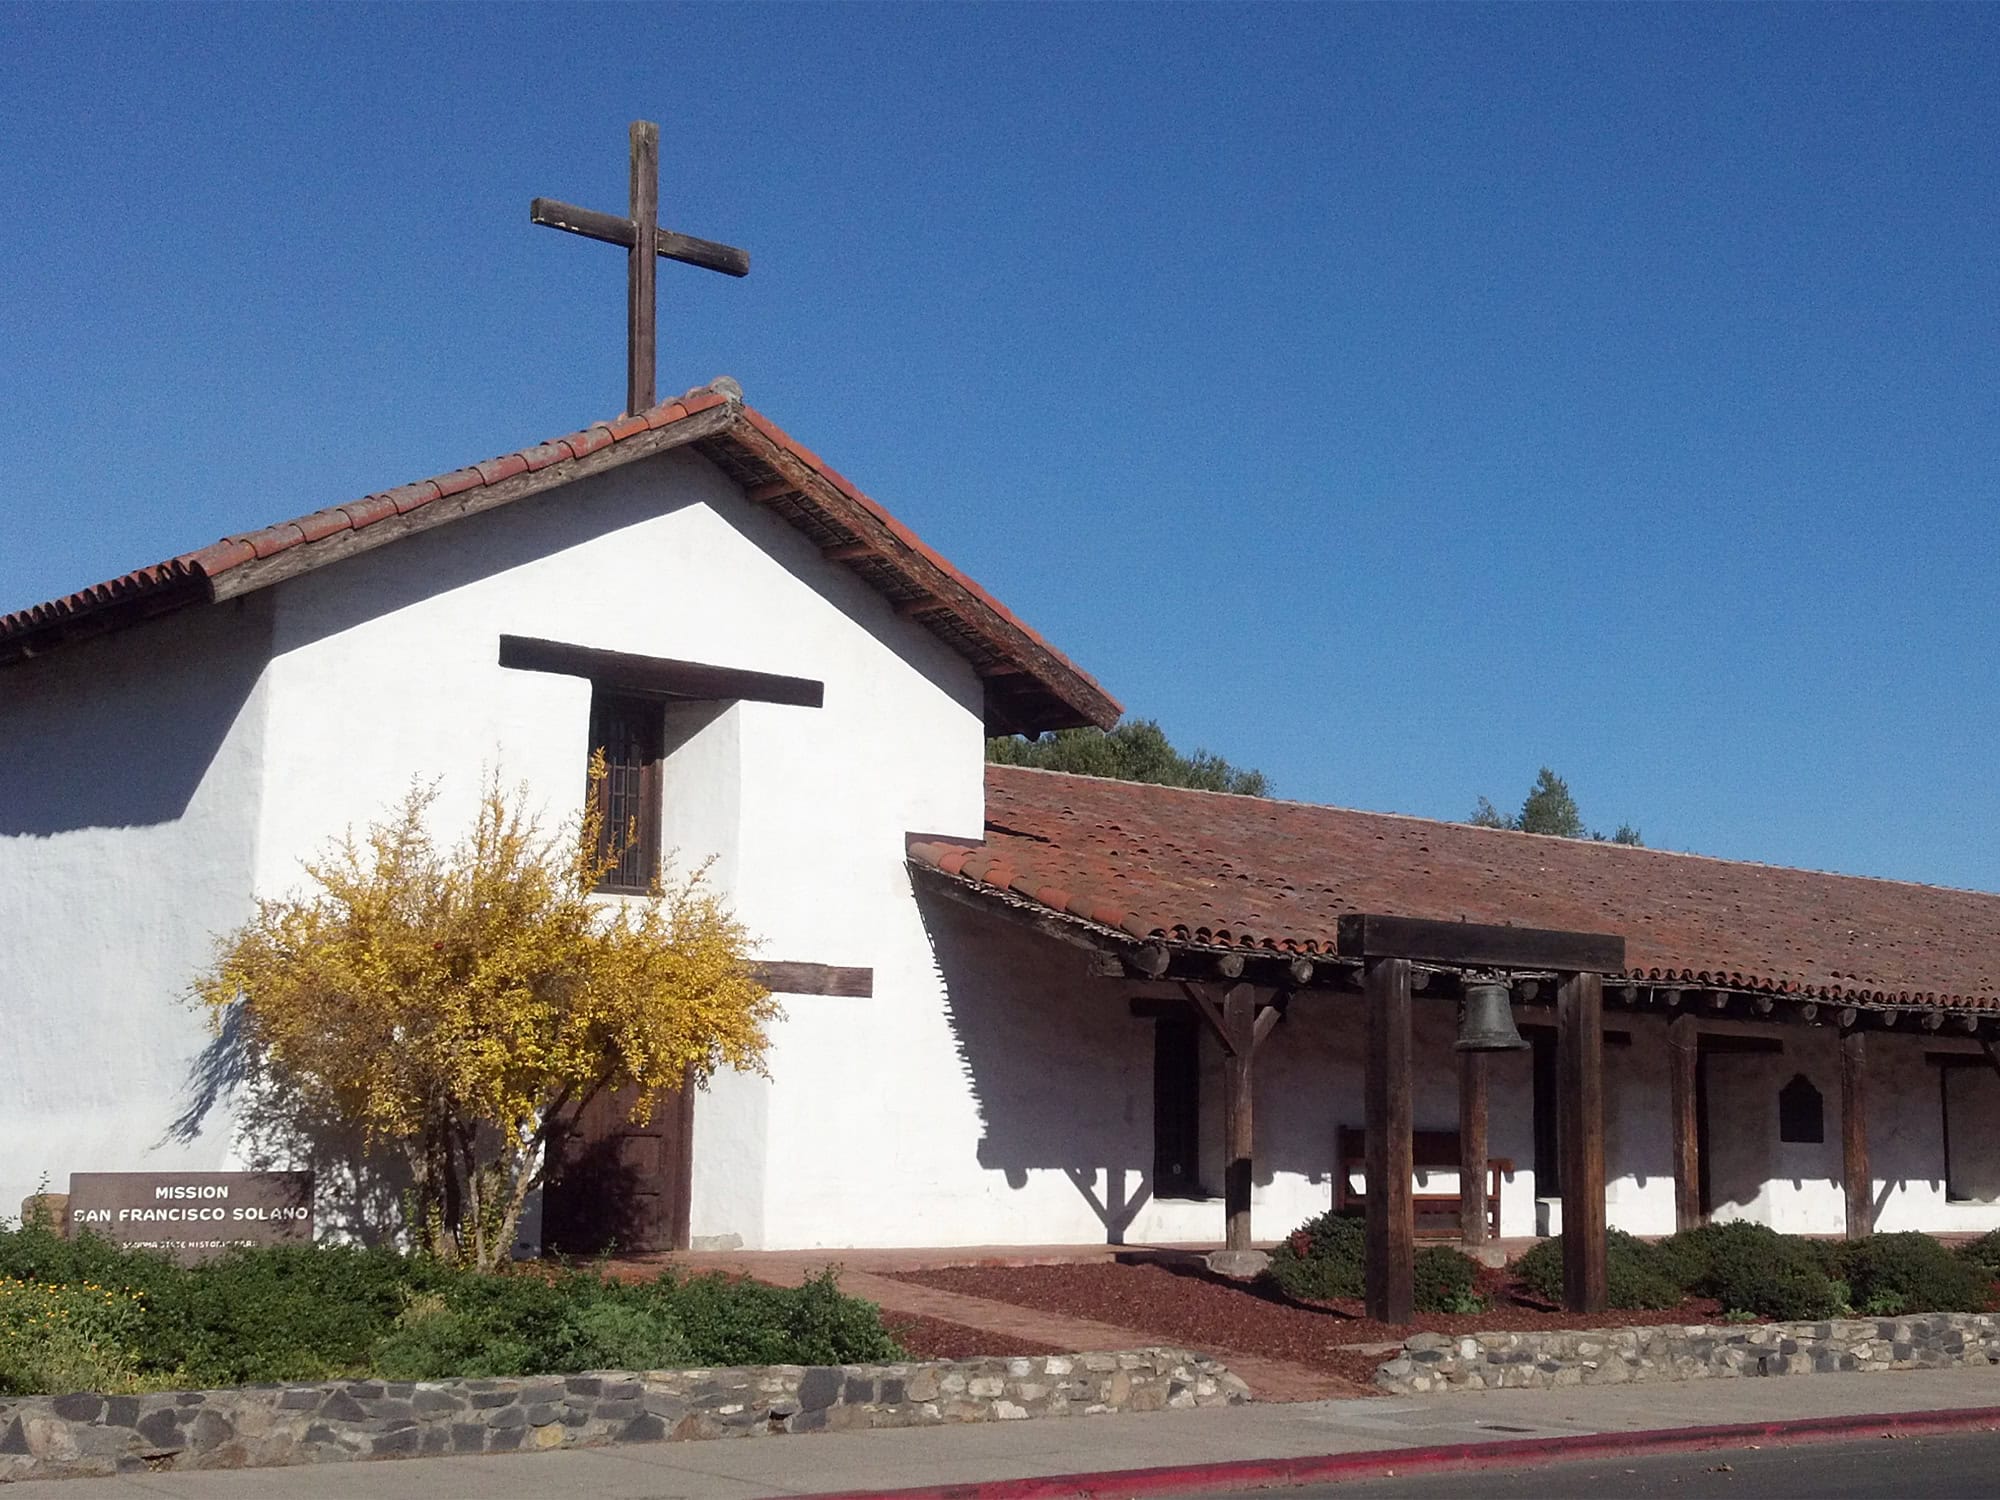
[
  {"x": 933, "y": 1338},
  {"x": 1182, "y": 1303}
]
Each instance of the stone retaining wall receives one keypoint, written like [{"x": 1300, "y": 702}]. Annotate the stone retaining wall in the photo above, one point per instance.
[
  {"x": 1433, "y": 1362},
  {"x": 51, "y": 1436}
]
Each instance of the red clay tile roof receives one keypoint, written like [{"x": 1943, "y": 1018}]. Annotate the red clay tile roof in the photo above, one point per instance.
[
  {"x": 1030, "y": 686},
  {"x": 1210, "y": 869}
]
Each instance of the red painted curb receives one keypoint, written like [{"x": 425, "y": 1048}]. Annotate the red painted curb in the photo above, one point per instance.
[{"x": 1272, "y": 1473}]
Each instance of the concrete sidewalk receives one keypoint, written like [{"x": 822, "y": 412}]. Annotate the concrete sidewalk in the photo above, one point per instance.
[{"x": 747, "y": 1468}]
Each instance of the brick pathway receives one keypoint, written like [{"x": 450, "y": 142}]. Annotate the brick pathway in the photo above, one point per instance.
[{"x": 860, "y": 1274}]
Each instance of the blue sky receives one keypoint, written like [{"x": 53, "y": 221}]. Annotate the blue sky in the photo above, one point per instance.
[{"x": 1395, "y": 399}]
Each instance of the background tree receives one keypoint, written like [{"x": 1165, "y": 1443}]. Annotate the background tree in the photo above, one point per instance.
[
  {"x": 1134, "y": 751},
  {"x": 455, "y": 1004},
  {"x": 1549, "y": 809}
]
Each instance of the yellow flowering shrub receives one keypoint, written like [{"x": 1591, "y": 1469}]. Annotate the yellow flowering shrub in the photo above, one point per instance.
[
  {"x": 74, "y": 1337},
  {"x": 456, "y": 1002}
]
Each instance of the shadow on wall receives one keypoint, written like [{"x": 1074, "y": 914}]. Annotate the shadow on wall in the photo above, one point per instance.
[
  {"x": 118, "y": 732},
  {"x": 357, "y": 1196},
  {"x": 1062, "y": 1072}
]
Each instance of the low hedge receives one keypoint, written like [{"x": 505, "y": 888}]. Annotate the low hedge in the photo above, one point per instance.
[
  {"x": 1324, "y": 1260},
  {"x": 1912, "y": 1273},
  {"x": 1754, "y": 1271},
  {"x": 1635, "y": 1276},
  {"x": 86, "y": 1314},
  {"x": 1751, "y": 1269}
]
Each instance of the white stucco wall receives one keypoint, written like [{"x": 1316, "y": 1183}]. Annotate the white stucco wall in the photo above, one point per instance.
[
  {"x": 385, "y": 669},
  {"x": 1057, "y": 1111},
  {"x": 153, "y": 783},
  {"x": 129, "y": 804}
]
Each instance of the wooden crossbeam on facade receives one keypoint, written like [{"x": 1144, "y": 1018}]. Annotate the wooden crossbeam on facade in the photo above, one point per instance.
[{"x": 1478, "y": 945}]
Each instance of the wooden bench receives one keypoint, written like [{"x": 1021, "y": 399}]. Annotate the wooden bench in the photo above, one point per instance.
[{"x": 1430, "y": 1151}]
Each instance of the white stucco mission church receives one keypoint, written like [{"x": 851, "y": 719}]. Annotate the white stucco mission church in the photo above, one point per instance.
[{"x": 993, "y": 978}]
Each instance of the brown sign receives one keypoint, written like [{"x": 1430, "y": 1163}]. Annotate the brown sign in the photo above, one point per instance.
[{"x": 194, "y": 1214}]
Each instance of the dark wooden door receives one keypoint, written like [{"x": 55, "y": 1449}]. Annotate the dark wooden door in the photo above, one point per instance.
[{"x": 618, "y": 1186}]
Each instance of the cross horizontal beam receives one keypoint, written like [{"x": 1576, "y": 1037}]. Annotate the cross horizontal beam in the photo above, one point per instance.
[{"x": 614, "y": 230}]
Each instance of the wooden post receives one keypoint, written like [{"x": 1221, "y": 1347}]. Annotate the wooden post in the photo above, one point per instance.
[
  {"x": 1239, "y": 1018},
  {"x": 1855, "y": 1176},
  {"x": 1472, "y": 1070},
  {"x": 1580, "y": 1067},
  {"x": 644, "y": 266},
  {"x": 1683, "y": 1058},
  {"x": 1240, "y": 1026},
  {"x": 1392, "y": 1224}
]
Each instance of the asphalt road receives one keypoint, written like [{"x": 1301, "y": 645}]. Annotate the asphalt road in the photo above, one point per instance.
[{"x": 1962, "y": 1467}]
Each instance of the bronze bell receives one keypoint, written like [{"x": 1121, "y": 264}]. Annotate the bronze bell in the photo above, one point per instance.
[{"x": 1486, "y": 1019}]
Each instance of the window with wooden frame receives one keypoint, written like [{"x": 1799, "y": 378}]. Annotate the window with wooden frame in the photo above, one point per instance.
[
  {"x": 631, "y": 731},
  {"x": 1177, "y": 1107}
]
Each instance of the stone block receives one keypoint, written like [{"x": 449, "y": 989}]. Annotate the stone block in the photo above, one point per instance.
[
  {"x": 403, "y": 1443},
  {"x": 819, "y": 1388},
  {"x": 644, "y": 1428},
  {"x": 340, "y": 1406},
  {"x": 160, "y": 1430},
  {"x": 210, "y": 1429},
  {"x": 80, "y": 1407}
]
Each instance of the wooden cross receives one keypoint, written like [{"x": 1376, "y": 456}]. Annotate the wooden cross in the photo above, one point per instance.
[{"x": 642, "y": 236}]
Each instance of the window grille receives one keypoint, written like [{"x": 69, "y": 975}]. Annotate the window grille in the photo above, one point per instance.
[{"x": 630, "y": 731}]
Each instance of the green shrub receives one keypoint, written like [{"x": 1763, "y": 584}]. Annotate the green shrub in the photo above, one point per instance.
[
  {"x": 1788, "y": 1292},
  {"x": 1634, "y": 1276},
  {"x": 1444, "y": 1281},
  {"x": 1751, "y": 1268},
  {"x": 1915, "y": 1274},
  {"x": 1983, "y": 1252},
  {"x": 1323, "y": 1259},
  {"x": 284, "y": 1312},
  {"x": 321, "y": 1312},
  {"x": 58, "y": 1338},
  {"x": 747, "y": 1323}
]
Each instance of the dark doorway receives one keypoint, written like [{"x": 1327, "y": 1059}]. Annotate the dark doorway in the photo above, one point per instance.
[
  {"x": 1177, "y": 1107},
  {"x": 616, "y": 1185},
  {"x": 1548, "y": 1148},
  {"x": 1704, "y": 1191}
]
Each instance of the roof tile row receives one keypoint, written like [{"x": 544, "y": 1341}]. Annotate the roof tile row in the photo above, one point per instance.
[
  {"x": 1072, "y": 697},
  {"x": 1208, "y": 869}
]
